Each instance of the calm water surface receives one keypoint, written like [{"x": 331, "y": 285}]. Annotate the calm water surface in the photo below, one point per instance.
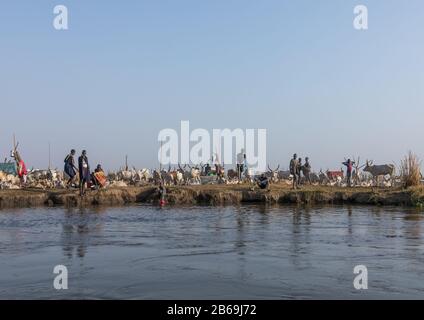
[{"x": 256, "y": 252}]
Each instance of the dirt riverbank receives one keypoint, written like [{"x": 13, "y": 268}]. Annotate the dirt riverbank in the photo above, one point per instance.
[{"x": 213, "y": 195}]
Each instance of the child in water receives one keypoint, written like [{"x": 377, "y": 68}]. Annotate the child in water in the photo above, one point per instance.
[{"x": 162, "y": 194}]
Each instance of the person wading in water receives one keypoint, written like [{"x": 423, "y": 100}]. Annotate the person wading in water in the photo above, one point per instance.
[
  {"x": 162, "y": 194},
  {"x": 70, "y": 168},
  {"x": 84, "y": 171}
]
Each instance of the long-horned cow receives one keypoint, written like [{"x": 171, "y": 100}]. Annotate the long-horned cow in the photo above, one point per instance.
[
  {"x": 272, "y": 174},
  {"x": 232, "y": 175},
  {"x": 192, "y": 176},
  {"x": 186, "y": 174},
  {"x": 284, "y": 175},
  {"x": 334, "y": 174},
  {"x": 323, "y": 177},
  {"x": 143, "y": 175},
  {"x": 167, "y": 177},
  {"x": 379, "y": 170},
  {"x": 195, "y": 174}
]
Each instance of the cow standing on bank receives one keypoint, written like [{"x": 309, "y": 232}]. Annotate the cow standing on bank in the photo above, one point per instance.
[{"x": 379, "y": 170}]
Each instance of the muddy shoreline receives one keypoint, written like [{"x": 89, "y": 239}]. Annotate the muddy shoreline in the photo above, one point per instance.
[{"x": 212, "y": 195}]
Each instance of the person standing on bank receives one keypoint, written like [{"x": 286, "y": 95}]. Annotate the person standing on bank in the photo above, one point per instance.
[
  {"x": 306, "y": 170},
  {"x": 84, "y": 171},
  {"x": 70, "y": 168},
  {"x": 349, "y": 167},
  {"x": 299, "y": 171},
  {"x": 240, "y": 163},
  {"x": 21, "y": 168},
  {"x": 293, "y": 170}
]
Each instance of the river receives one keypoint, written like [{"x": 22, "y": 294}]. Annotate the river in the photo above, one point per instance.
[{"x": 245, "y": 252}]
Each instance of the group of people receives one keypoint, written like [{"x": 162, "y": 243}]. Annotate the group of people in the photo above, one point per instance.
[
  {"x": 297, "y": 169},
  {"x": 242, "y": 169},
  {"x": 86, "y": 178}
]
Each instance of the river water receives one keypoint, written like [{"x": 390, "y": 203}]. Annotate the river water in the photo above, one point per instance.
[{"x": 246, "y": 252}]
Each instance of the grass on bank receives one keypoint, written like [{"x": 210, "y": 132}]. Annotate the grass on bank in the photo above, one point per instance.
[{"x": 410, "y": 171}]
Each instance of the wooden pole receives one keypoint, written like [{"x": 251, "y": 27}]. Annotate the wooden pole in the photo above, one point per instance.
[
  {"x": 15, "y": 148},
  {"x": 126, "y": 162}
]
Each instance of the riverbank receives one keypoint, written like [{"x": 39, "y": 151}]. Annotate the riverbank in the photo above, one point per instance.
[{"x": 213, "y": 195}]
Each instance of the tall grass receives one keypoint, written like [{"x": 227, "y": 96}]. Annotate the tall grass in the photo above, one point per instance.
[{"x": 410, "y": 170}]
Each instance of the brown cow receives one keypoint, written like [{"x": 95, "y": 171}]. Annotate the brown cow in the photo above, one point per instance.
[{"x": 333, "y": 175}]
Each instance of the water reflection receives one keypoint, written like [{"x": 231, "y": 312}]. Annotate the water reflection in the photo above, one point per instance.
[
  {"x": 79, "y": 227},
  {"x": 242, "y": 223},
  {"x": 242, "y": 218},
  {"x": 349, "y": 224},
  {"x": 229, "y": 252},
  {"x": 12, "y": 235},
  {"x": 412, "y": 226},
  {"x": 298, "y": 246}
]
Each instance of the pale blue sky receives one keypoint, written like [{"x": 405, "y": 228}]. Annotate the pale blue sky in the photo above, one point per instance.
[{"x": 127, "y": 69}]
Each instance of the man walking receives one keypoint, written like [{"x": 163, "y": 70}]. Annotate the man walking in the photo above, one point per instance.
[
  {"x": 70, "y": 168},
  {"x": 84, "y": 171}
]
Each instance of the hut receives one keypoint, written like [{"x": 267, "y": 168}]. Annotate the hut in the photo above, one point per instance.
[{"x": 8, "y": 168}]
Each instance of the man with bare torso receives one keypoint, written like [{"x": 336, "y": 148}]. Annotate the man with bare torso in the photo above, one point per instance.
[{"x": 294, "y": 164}]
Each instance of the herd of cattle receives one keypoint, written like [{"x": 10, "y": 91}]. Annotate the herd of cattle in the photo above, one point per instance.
[{"x": 370, "y": 175}]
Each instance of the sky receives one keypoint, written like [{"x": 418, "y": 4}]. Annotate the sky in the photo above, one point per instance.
[{"x": 124, "y": 70}]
